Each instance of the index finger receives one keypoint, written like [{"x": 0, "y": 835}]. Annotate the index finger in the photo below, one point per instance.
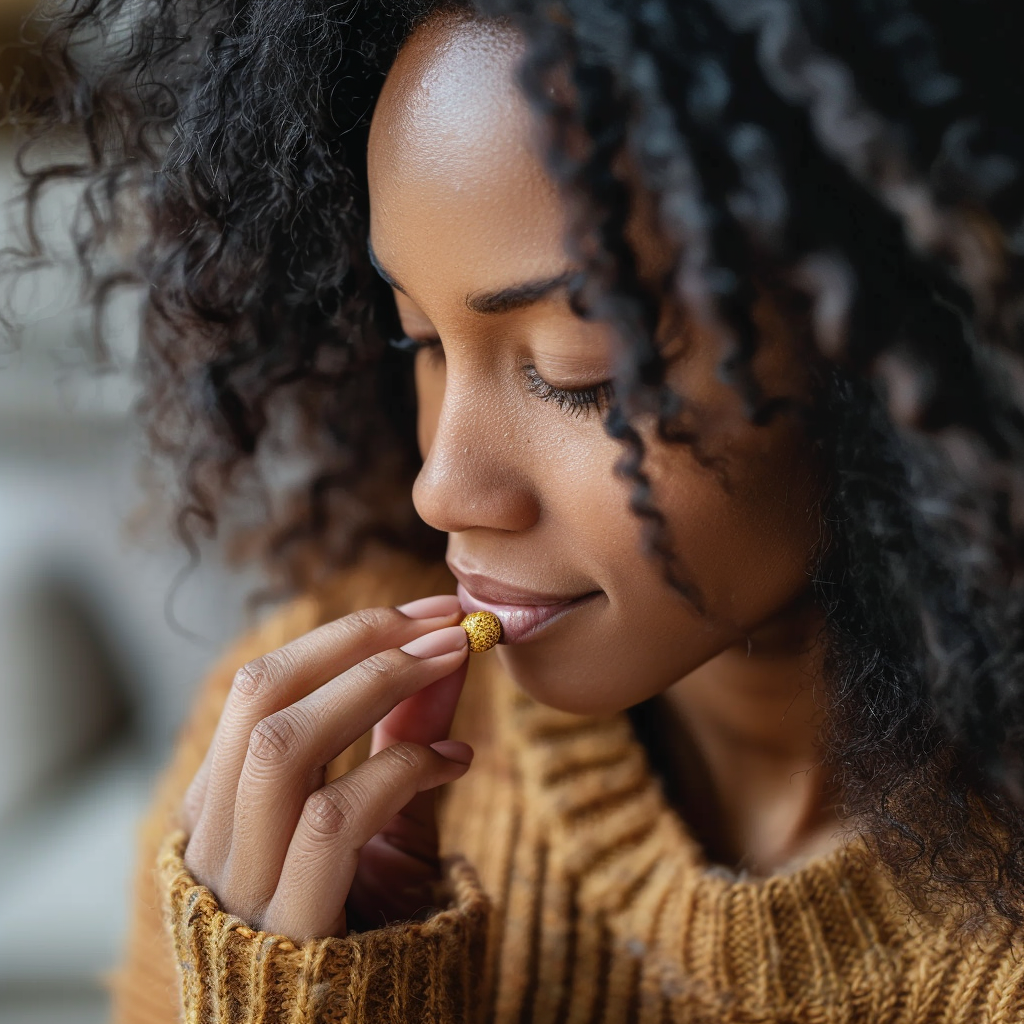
[{"x": 295, "y": 669}]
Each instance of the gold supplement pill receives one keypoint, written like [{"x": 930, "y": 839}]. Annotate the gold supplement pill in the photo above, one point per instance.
[{"x": 483, "y": 630}]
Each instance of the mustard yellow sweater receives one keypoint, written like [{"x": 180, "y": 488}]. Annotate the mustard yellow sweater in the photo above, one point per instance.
[{"x": 573, "y": 893}]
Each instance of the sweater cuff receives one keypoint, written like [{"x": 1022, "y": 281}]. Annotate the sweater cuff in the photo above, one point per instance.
[{"x": 406, "y": 971}]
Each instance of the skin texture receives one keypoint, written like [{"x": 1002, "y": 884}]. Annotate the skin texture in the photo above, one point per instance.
[
  {"x": 525, "y": 487},
  {"x": 461, "y": 207},
  {"x": 297, "y": 857}
]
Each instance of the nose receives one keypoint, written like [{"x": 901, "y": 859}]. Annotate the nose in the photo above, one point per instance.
[{"x": 477, "y": 471}]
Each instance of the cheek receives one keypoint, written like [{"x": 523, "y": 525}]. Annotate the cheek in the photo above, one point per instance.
[
  {"x": 745, "y": 529},
  {"x": 743, "y": 519},
  {"x": 743, "y": 548}
]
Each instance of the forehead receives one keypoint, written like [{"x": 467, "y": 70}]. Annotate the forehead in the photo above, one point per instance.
[{"x": 454, "y": 174}]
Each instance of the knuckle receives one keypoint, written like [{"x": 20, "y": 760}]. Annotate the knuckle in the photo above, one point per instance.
[
  {"x": 408, "y": 755},
  {"x": 383, "y": 667},
  {"x": 249, "y": 679},
  {"x": 258, "y": 679},
  {"x": 328, "y": 812},
  {"x": 254, "y": 678},
  {"x": 274, "y": 740},
  {"x": 368, "y": 620}
]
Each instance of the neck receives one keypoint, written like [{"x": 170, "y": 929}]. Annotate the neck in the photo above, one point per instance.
[{"x": 740, "y": 735}]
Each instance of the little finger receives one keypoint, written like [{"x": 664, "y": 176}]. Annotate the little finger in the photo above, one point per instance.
[{"x": 336, "y": 822}]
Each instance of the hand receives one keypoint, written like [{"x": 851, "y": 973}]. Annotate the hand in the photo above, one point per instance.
[{"x": 281, "y": 849}]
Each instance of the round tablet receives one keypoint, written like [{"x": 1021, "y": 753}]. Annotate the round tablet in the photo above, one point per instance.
[{"x": 483, "y": 630}]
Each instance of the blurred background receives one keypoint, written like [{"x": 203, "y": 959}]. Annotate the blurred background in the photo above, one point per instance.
[{"x": 97, "y": 663}]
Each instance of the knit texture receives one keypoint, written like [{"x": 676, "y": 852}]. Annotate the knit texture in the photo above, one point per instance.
[
  {"x": 413, "y": 972},
  {"x": 573, "y": 893}
]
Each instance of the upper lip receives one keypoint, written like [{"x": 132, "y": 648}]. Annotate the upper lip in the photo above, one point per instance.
[{"x": 486, "y": 588}]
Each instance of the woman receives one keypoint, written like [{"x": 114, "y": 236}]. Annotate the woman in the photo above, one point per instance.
[{"x": 683, "y": 336}]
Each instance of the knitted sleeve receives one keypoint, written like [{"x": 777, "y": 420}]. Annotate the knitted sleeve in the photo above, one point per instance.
[
  {"x": 404, "y": 972},
  {"x": 185, "y": 959}
]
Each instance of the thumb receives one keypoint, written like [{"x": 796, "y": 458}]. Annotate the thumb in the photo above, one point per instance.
[{"x": 425, "y": 717}]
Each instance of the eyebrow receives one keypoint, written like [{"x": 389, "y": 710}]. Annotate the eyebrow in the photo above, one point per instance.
[{"x": 502, "y": 300}]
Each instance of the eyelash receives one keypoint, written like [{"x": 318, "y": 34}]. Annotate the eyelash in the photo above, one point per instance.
[{"x": 572, "y": 401}]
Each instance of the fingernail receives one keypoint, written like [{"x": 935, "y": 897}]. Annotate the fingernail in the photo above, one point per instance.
[
  {"x": 454, "y": 750},
  {"x": 431, "y": 607},
  {"x": 441, "y": 641}
]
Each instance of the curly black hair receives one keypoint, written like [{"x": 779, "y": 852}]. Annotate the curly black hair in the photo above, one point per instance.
[{"x": 863, "y": 162}]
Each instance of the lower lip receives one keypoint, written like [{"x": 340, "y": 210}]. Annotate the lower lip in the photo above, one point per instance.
[{"x": 520, "y": 622}]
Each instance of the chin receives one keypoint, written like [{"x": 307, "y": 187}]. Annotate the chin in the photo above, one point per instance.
[{"x": 567, "y": 685}]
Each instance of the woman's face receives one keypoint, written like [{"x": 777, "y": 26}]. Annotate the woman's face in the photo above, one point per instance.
[{"x": 518, "y": 469}]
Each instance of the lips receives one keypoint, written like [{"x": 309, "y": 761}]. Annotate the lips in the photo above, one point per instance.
[{"x": 523, "y": 613}]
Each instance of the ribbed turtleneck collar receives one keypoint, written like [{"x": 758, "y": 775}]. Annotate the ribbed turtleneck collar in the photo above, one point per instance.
[{"x": 831, "y": 926}]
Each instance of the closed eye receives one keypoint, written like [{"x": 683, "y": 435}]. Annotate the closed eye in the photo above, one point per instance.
[{"x": 572, "y": 401}]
